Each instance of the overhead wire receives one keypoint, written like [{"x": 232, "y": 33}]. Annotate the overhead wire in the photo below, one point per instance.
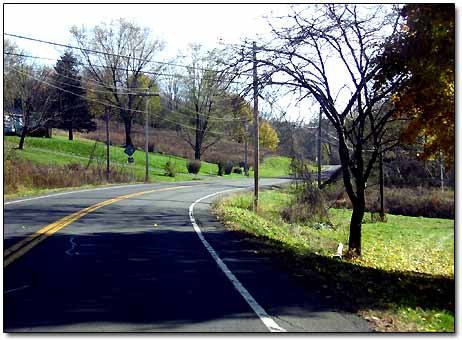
[
  {"x": 112, "y": 105},
  {"x": 154, "y": 73},
  {"x": 210, "y": 118},
  {"x": 114, "y": 54}
]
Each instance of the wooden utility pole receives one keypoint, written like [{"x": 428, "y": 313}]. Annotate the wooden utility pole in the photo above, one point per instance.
[
  {"x": 255, "y": 127},
  {"x": 246, "y": 161},
  {"x": 146, "y": 138},
  {"x": 319, "y": 147},
  {"x": 146, "y": 130},
  {"x": 382, "y": 203},
  {"x": 442, "y": 171},
  {"x": 107, "y": 144}
]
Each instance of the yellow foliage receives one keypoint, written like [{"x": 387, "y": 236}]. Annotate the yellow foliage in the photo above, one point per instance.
[{"x": 268, "y": 137}]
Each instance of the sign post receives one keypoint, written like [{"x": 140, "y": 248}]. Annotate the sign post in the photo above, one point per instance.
[{"x": 129, "y": 151}]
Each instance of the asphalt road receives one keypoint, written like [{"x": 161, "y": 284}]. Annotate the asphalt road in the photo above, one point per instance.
[{"x": 143, "y": 263}]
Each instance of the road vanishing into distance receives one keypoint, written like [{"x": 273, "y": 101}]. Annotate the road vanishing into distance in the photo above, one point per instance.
[{"x": 148, "y": 258}]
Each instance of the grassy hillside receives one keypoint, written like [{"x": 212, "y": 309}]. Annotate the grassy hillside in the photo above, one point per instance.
[
  {"x": 57, "y": 155},
  {"x": 60, "y": 151}
]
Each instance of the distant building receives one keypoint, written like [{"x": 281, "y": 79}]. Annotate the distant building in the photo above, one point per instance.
[{"x": 12, "y": 123}]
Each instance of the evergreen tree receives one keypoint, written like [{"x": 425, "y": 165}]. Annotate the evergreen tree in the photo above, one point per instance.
[{"x": 71, "y": 105}]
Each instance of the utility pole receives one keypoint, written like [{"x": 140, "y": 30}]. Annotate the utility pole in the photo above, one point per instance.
[
  {"x": 246, "y": 162},
  {"x": 319, "y": 147},
  {"x": 255, "y": 127},
  {"x": 107, "y": 144},
  {"x": 146, "y": 138},
  {"x": 382, "y": 203},
  {"x": 442, "y": 171},
  {"x": 147, "y": 94}
]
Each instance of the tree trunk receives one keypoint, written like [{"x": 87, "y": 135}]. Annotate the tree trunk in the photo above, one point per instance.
[
  {"x": 198, "y": 144},
  {"x": 128, "y": 131},
  {"x": 23, "y": 137},
  {"x": 71, "y": 134},
  {"x": 354, "y": 242},
  {"x": 197, "y": 151}
]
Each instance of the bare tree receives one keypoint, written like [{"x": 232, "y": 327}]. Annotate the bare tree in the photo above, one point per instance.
[
  {"x": 309, "y": 52},
  {"x": 115, "y": 56},
  {"x": 203, "y": 88},
  {"x": 35, "y": 94}
]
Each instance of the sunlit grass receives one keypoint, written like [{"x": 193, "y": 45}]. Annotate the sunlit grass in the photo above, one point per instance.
[{"x": 407, "y": 264}]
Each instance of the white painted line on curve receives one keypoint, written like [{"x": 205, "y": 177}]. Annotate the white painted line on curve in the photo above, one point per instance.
[
  {"x": 261, "y": 313},
  {"x": 70, "y": 192}
]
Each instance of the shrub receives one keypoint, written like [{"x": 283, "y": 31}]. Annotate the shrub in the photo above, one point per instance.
[
  {"x": 308, "y": 205},
  {"x": 419, "y": 201},
  {"x": 170, "y": 169},
  {"x": 193, "y": 166},
  {"x": 221, "y": 165},
  {"x": 21, "y": 175},
  {"x": 228, "y": 167},
  {"x": 237, "y": 170}
]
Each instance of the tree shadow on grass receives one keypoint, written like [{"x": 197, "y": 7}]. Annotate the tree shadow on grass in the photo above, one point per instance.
[{"x": 354, "y": 287}]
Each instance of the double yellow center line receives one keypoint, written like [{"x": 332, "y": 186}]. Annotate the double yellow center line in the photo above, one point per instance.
[{"x": 20, "y": 248}]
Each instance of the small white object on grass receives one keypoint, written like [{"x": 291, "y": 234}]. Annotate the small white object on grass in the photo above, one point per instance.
[{"x": 339, "y": 250}]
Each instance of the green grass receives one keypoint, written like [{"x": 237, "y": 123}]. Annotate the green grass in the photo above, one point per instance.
[
  {"x": 275, "y": 166},
  {"x": 404, "y": 243},
  {"x": 404, "y": 280},
  {"x": 59, "y": 151}
]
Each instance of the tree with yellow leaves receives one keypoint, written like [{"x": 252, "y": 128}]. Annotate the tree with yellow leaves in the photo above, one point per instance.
[{"x": 268, "y": 137}]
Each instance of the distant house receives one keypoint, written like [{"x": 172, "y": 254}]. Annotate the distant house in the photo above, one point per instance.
[{"x": 12, "y": 123}]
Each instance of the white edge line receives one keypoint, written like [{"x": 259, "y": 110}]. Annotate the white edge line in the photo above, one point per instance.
[
  {"x": 261, "y": 313},
  {"x": 71, "y": 192},
  {"x": 15, "y": 289}
]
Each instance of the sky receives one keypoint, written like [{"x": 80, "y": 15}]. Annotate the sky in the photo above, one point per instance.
[{"x": 177, "y": 25}]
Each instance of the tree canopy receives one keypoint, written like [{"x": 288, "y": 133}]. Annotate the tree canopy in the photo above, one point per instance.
[
  {"x": 424, "y": 50},
  {"x": 267, "y": 136},
  {"x": 71, "y": 106}
]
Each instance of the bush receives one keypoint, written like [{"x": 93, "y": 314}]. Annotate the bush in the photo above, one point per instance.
[
  {"x": 22, "y": 175},
  {"x": 228, "y": 167},
  {"x": 193, "y": 166},
  {"x": 308, "y": 205},
  {"x": 419, "y": 201},
  {"x": 170, "y": 169},
  {"x": 221, "y": 165},
  {"x": 237, "y": 170}
]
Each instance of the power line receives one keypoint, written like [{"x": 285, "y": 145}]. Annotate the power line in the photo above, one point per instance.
[
  {"x": 114, "y": 54},
  {"x": 124, "y": 93},
  {"x": 109, "y": 104},
  {"x": 210, "y": 118},
  {"x": 158, "y": 74}
]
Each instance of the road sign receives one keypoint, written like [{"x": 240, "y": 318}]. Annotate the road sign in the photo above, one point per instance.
[
  {"x": 129, "y": 150},
  {"x": 131, "y": 159}
]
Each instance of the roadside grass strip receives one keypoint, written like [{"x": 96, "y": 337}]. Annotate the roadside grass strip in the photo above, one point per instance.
[{"x": 22, "y": 247}]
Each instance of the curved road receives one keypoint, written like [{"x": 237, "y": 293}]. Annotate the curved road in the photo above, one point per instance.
[{"x": 135, "y": 259}]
